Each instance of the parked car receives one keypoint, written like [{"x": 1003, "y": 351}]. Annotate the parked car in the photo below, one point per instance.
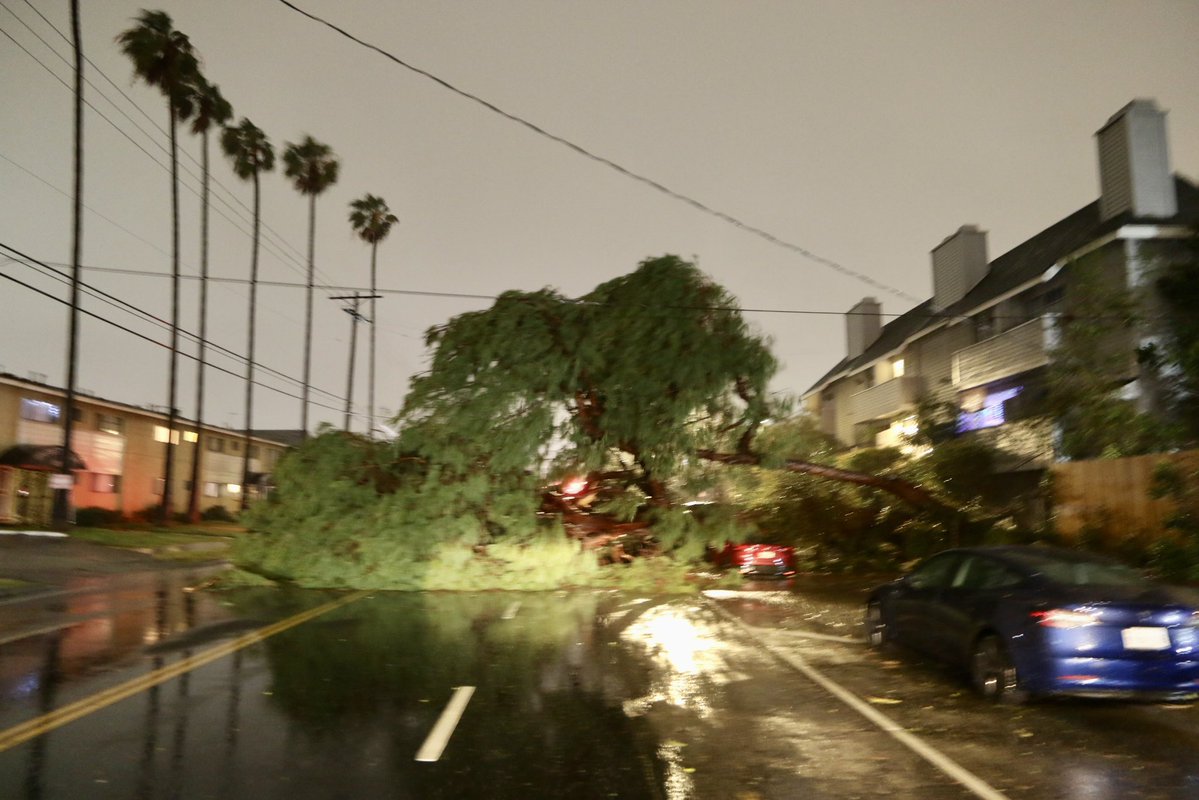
[
  {"x": 757, "y": 559},
  {"x": 1028, "y": 621}
]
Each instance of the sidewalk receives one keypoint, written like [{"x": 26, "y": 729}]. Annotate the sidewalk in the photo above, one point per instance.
[{"x": 39, "y": 563}]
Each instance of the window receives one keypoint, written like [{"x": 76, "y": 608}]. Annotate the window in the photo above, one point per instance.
[
  {"x": 216, "y": 444},
  {"x": 157, "y": 485},
  {"x": 234, "y": 446},
  {"x": 984, "y": 324},
  {"x": 106, "y": 484},
  {"x": 233, "y": 488},
  {"x": 936, "y": 573},
  {"x": 191, "y": 436},
  {"x": 983, "y": 573},
  {"x": 160, "y": 435},
  {"x": 76, "y": 414},
  {"x": 897, "y": 368},
  {"x": 40, "y": 410},
  {"x": 110, "y": 423},
  {"x": 212, "y": 489},
  {"x": 253, "y": 451}
]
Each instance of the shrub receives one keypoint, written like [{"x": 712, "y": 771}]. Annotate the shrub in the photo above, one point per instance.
[
  {"x": 96, "y": 517},
  {"x": 217, "y": 513}
]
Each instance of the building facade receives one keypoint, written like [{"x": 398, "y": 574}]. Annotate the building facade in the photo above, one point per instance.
[
  {"x": 981, "y": 344},
  {"x": 119, "y": 452}
]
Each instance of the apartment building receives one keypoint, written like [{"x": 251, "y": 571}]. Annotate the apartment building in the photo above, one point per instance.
[
  {"x": 118, "y": 455},
  {"x": 984, "y": 339}
]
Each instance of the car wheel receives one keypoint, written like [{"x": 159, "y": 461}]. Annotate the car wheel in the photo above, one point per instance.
[
  {"x": 877, "y": 634},
  {"x": 993, "y": 673}
]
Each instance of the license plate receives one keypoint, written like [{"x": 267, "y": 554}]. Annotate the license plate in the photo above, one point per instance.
[{"x": 1146, "y": 638}]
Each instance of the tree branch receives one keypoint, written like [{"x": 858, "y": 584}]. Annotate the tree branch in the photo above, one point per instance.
[{"x": 905, "y": 490}]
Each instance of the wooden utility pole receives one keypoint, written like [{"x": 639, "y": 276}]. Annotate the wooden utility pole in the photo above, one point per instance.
[{"x": 355, "y": 300}]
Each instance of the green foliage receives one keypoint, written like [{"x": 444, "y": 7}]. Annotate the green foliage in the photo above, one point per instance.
[
  {"x": 1176, "y": 360},
  {"x": 1094, "y": 357},
  {"x": 643, "y": 367},
  {"x": 217, "y": 513}
]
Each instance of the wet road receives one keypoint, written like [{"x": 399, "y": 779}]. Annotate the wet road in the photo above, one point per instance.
[{"x": 574, "y": 695}]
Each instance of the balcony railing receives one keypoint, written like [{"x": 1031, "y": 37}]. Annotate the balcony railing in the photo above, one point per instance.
[
  {"x": 1023, "y": 348},
  {"x": 886, "y": 399}
]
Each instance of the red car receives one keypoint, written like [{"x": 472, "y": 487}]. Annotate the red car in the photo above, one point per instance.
[{"x": 772, "y": 560}]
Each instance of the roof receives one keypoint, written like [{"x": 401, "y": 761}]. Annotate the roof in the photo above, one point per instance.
[
  {"x": 1023, "y": 263},
  {"x": 84, "y": 397},
  {"x": 292, "y": 437}
]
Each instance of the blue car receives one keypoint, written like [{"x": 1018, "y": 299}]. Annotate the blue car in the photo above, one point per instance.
[{"x": 1029, "y": 621}]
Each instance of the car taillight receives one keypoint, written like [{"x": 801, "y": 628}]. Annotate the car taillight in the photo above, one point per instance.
[
  {"x": 766, "y": 554},
  {"x": 1065, "y": 618}
]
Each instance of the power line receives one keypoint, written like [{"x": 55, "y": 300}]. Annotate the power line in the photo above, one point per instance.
[
  {"x": 273, "y": 243},
  {"x": 145, "y": 315},
  {"x": 628, "y": 173},
  {"x": 153, "y": 341},
  {"x": 931, "y": 315}
]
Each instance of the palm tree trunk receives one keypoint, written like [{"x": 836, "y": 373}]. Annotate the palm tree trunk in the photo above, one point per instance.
[
  {"x": 193, "y": 504},
  {"x": 245, "y": 463},
  {"x": 308, "y": 316},
  {"x": 62, "y": 497},
  {"x": 172, "y": 412},
  {"x": 370, "y": 407}
]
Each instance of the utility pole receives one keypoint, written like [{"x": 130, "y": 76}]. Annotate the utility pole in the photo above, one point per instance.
[
  {"x": 62, "y": 482},
  {"x": 355, "y": 299}
]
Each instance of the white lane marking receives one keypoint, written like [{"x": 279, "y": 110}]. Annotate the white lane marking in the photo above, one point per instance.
[
  {"x": 439, "y": 737},
  {"x": 965, "y": 777},
  {"x": 511, "y": 610}
]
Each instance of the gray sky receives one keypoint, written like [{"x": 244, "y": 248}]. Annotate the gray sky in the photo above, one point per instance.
[{"x": 864, "y": 132}]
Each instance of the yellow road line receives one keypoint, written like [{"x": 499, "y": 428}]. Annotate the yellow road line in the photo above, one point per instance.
[{"x": 80, "y": 708}]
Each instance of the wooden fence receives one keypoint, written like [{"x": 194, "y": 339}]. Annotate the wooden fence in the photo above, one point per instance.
[{"x": 1112, "y": 495}]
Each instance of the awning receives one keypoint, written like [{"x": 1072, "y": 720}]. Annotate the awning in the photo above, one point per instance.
[{"x": 43, "y": 457}]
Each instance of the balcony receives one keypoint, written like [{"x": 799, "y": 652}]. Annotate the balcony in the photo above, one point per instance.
[
  {"x": 886, "y": 399},
  {"x": 1023, "y": 348}
]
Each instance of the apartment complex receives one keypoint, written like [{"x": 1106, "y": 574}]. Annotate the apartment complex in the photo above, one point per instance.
[
  {"x": 118, "y": 455},
  {"x": 984, "y": 339}
]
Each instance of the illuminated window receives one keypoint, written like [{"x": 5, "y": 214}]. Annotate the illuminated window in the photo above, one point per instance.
[
  {"x": 191, "y": 436},
  {"x": 233, "y": 488},
  {"x": 40, "y": 410},
  {"x": 212, "y": 489},
  {"x": 160, "y": 435},
  {"x": 897, "y": 368},
  {"x": 991, "y": 415}
]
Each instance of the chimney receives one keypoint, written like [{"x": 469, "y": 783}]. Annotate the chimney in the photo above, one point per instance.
[
  {"x": 1134, "y": 163},
  {"x": 959, "y": 263},
  {"x": 863, "y": 323}
]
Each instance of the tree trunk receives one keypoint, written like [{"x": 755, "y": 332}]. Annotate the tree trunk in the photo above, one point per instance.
[
  {"x": 173, "y": 381},
  {"x": 245, "y": 472},
  {"x": 904, "y": 490},
  {"x": 308, "y": 317},
  {"x": 370, "y": 407},
  {"x": 193, "y": 502}
]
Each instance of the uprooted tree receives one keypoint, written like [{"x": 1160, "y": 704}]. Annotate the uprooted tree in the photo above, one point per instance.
[{"x": 649, "y": 375}]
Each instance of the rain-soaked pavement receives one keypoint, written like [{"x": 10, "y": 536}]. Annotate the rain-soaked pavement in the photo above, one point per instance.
[{"x": 579, "y": 695}]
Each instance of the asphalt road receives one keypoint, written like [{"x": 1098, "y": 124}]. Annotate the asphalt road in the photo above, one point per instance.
[{"x": 745, "y": 696}]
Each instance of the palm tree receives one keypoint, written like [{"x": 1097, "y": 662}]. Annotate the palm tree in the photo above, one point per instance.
[
  {"x": 251, "y": 153},
  {"x": 313, "y": 169},
  {"x": 372, "y": 221},
  {"x": 211, "y": 109},
  {"x": 163, "y": 57}
]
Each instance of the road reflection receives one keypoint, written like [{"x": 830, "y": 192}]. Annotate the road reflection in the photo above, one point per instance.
[{"x": 335, "y": 707}]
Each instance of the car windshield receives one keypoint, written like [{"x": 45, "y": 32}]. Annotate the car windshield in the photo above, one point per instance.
[{"x": 1086, "y": 573}]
